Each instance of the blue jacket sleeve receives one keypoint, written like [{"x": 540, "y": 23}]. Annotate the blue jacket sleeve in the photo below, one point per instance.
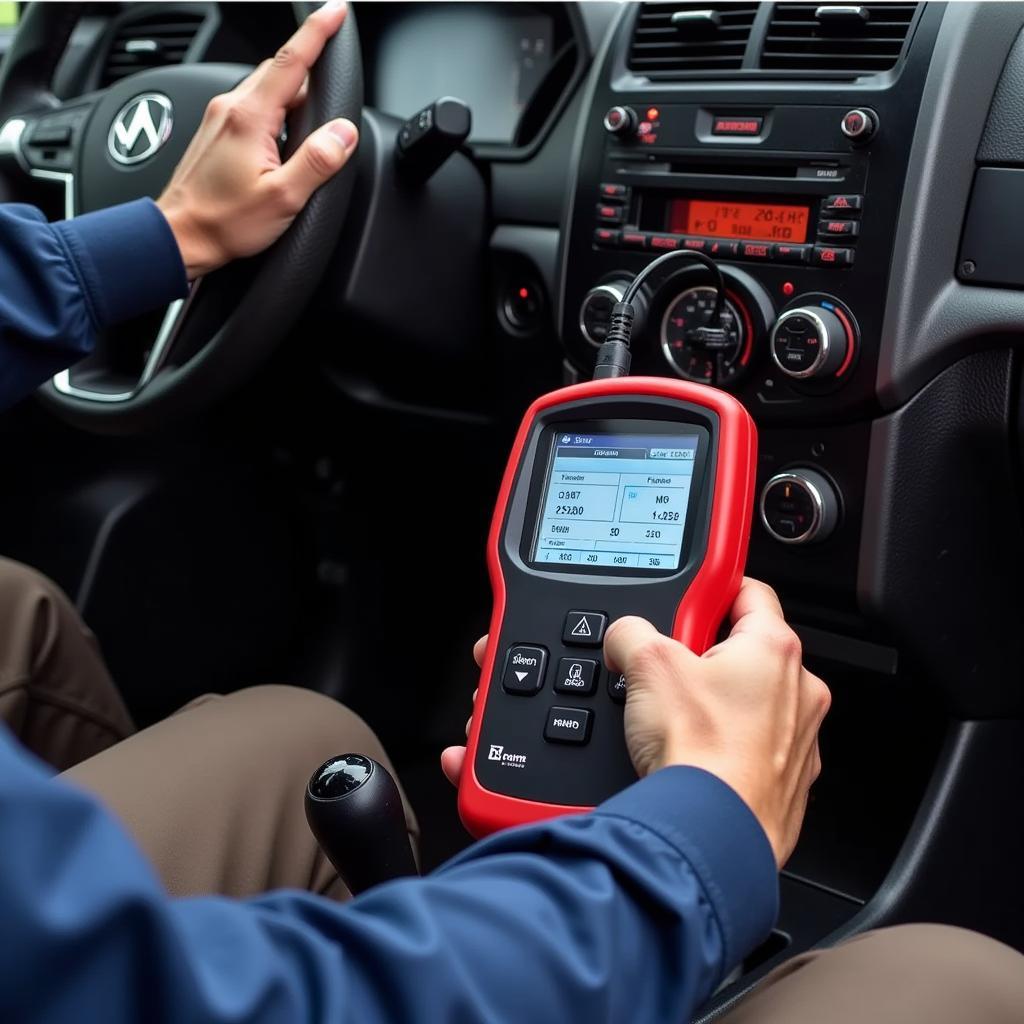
[
  {"x": 61, "y": 283},
  {"x": 631, "y": 913}
]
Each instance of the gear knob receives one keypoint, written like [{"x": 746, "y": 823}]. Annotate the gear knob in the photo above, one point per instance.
[{"x": 355, "y": 811}]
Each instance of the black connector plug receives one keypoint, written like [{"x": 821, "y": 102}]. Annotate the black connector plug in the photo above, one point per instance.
[{"x": 613, "y": 357}]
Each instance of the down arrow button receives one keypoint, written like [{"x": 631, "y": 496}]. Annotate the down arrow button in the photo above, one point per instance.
[{"x": 524, "y": 670}]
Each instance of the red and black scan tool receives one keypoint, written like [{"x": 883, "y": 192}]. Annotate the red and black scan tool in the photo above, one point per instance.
[{"x": 623, "y": 496}]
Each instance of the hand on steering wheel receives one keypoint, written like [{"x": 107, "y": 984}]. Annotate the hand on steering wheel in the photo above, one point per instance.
[
  {"x": 231, "y": 196},
  {"x": 224, "y": 184}
]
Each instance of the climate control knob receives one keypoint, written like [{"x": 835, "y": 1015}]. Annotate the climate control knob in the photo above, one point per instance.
[
  {"x": 800, "y": 506},
  {"x": 596, "y": 310},
  {"x": 809, "y": 341},
  {"x": 621, "y": 121}
]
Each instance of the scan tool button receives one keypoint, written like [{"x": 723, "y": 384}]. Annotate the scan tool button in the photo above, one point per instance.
[
  {"x": 568, "y": 725},
  {"x": 584, "y": 629},
  {"x": 576, "y": 675},
  {"x": 524, "y": 670}
]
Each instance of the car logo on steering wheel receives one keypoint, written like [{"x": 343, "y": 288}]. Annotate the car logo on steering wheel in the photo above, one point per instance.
[{"x": 140, "y": 128}]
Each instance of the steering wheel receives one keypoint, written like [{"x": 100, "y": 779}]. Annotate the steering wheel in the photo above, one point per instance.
[{"x": 102, "y": 154}]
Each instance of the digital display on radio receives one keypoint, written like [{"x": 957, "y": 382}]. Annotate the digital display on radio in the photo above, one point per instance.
[{"x": 718, "y": 218}]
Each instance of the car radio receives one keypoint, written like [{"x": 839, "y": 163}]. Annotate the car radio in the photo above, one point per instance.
[
  {"x": 776, "y": 192},
  {"x": 807, "y": 230},
  {"x": 628, "y": 496}
]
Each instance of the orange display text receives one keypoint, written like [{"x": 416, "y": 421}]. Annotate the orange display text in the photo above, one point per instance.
[{"x": 715, "y": 218}]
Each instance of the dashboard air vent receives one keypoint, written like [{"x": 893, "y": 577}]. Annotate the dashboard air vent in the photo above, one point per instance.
[
  {"x": 154, "y": 41},
  {"x": 855, "y": 39},
  {"x": 672, "y": 38}
]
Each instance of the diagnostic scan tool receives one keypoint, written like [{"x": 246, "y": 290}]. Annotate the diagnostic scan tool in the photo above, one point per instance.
[{"x": 622, "y": 496}]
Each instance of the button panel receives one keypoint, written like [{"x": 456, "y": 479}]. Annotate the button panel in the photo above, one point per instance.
[
  {"x": 759, "y": 252},
  {"x": 576, "y": 675},
  {"x": 584, "y": 629},
  {"x": 524, "y": 670},
  {"x": 839, "y": 218},
  {"x": 568, "y": 725}
]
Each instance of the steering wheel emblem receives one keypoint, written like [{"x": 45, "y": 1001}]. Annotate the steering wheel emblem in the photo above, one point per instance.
[{"x": 140, "y": 128}]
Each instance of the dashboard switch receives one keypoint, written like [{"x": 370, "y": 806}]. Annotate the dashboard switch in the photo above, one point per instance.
[
  {"x": 838, "y": 228},
  {"x": 809, "y": 341},
  {"x": 826, "y": 256},
  {"x": 842, "y": 206},
  {"x": 621, "y": 121},
  {"x": 799, "y": 507},
  {"x": 859, "y": 125},
  {"x": 430, "y": 136}
]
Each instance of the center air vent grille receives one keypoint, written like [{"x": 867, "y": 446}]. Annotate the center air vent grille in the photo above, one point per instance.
[
  {"x": 150, "y": 42},
  {"x": 856, "y": 39},
  {"x": 672, "y": 38}
]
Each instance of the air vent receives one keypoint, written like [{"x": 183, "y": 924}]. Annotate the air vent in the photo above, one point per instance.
[
  {"x": 855, "y": 39},
  {"x": 150, "y": 42},
  {"x": 673, "y": 38}
]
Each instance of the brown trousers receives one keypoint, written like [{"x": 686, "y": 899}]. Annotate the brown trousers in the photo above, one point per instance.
[{"x": 213, "y": 795}]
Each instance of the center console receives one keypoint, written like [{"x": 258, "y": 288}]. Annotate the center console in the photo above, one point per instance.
[
  {"x": 790, "y": 173},
  {"x": 792, "y": 182}
]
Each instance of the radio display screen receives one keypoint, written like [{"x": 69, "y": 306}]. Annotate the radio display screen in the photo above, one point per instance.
[
  {"x": 616, "y": 500},
  {"x": 758, "y": 222}
]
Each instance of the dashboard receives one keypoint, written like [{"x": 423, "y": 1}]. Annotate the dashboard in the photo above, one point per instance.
[
  {"x": 835, "y": 162},
  {"x": 836, "y": 165}
]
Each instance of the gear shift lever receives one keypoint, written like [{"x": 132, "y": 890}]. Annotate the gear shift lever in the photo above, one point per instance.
[{"x": 355, "y": 812}]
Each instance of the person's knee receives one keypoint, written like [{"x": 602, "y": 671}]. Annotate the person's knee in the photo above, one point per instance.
[
  {"x": 310, "y": 723},
  {"x": 36, "y": 612},
  {"x": 21, "y": 585},
  {"x": 944, "y": 955}
]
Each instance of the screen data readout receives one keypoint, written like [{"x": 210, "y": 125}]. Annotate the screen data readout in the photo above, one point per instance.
[{"x": 616, "y": 500}]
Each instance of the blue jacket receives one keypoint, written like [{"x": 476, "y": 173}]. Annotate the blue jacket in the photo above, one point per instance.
[
  {"x": 632, "y": 913},
  {"x": 61, "y": 283}
]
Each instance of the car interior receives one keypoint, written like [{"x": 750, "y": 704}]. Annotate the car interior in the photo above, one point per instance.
[{"x": 209, "y": 486}]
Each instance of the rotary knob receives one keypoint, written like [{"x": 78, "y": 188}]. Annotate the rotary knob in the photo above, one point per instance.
[
  {"x": 800, "y": 506},
  {"x": 859, "y": 125},
  {"x": 621, "y": 121},
  {"x": 809, "y": 341}
]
